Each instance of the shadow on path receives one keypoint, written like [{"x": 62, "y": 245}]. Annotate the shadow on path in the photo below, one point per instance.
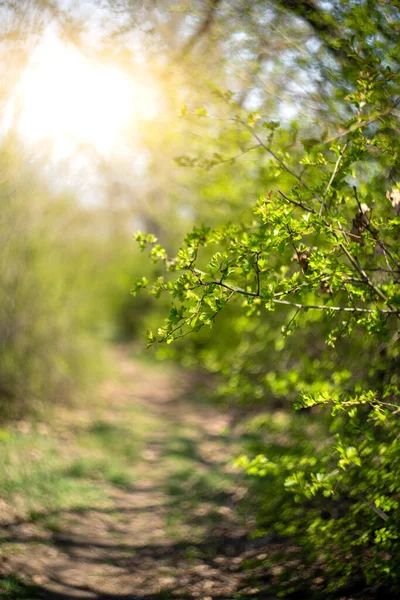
[{"x": 175, "y": 534}]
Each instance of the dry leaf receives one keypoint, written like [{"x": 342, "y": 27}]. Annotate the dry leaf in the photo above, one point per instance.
[{"x": 394, "y": 197}]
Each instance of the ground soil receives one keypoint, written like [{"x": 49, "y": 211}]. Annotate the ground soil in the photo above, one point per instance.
[{"x": 148, "y": 542}]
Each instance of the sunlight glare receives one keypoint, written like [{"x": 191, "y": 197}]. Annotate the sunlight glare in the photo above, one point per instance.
[{"x": 64, "y": 97}]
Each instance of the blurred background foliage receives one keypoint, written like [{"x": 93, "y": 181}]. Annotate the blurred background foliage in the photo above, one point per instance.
[
  {"x": 66, "y": 273},
  {"x": 68, "y": 260}
]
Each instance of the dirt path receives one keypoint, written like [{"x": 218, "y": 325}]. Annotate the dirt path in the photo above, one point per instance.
[{"x": 173, "y": 533}]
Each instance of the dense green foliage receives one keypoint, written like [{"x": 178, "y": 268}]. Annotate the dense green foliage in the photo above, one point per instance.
[{"x": 303, "y": 296}]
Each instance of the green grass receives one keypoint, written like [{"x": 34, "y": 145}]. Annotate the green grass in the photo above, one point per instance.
[
  {"x": 33, "y": 476},
  {"x": 43, "y": 472},
  {"x": 114, "y": 440},
  {"x": 102, "y": 470},
  {"x": 13, "y": 588},
  {"x": 196, "y": 487}
]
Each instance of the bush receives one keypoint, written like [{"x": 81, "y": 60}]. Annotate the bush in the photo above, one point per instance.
[{"x": 310, "y": 285}]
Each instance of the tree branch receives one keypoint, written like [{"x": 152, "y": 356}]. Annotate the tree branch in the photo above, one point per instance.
[{"x": 203, "y": 29}]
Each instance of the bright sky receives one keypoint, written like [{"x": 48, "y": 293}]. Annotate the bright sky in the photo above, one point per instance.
[
  {"x": 82, "y": 117},
  {"x": 68, "y": 99}
]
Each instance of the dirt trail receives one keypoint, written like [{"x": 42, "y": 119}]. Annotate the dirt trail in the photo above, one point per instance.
[{"x": 173, "y": 534}]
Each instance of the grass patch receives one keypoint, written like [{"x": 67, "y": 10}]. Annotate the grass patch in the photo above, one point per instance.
[
  {"x": 102, "y": 470},
  {"x": 12, "y": 587},
  {"x": 195, "y": 487},
  {"x": 114, "y": 440},
  {"x": 70, "y": 465},
  {"x": 33, "y": 476}
]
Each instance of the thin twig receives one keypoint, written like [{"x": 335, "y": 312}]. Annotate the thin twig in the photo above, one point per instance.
[
  {"x": 286, "y": 327},
  {"x": 374, "y": 235},
  {"x": 377, "y": 510},
  {"x": 362, "y": 124},
  {"x": 276, "y": 300},
  {"x": 296, "y": 203},
  {"x": 334, "y": 308},
  {"x": 235, "y": 158},
  {"x": 280, "y": 161},
  {"x": 257, "y": 270},
  {"x": 335, "y": 170},
  {"x": 354, "y": 261}
]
